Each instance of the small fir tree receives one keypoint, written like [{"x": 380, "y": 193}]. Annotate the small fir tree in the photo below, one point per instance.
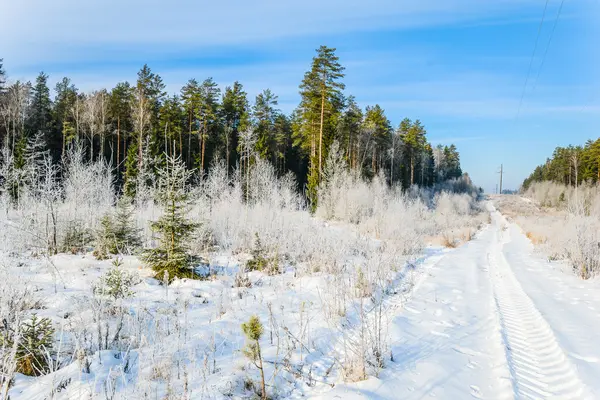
[
  {"x": 117, "y": 231},
  {"x": 174, "y": 229},
  {"x": 258, "y": 261},
  {"x": 33, "y": 343},
  {"x": 253, "y": 329},
  {"x": 116, "y": 283}
]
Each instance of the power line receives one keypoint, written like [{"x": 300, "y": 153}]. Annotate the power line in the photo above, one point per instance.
[
  {"x": 537, "y": 39},
  {"x": 548, "y": 45}
]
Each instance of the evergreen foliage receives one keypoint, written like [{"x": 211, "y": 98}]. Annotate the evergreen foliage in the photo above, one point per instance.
[
  {"x": 133, "y": 125},
  {"x": 171, "y": 256},
  {"x": 116, "y": 282},
  {"x": 261, "y": 262},
  {"x": 117, "y": 232},
  {"x": 77, "y": 238},
  {"x": 569, "y": 165},
  {"x": 33, "y": 343},
  {"x": 253, "y": 329}
]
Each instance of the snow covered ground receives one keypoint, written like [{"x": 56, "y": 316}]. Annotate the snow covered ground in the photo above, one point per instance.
[{"x": 490, "y": 319}]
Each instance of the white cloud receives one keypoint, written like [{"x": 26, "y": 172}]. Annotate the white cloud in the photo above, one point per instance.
[{"x": 64, "y": 30}]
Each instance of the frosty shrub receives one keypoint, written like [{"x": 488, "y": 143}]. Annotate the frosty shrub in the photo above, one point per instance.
[
  {"x": 88, "y": 190},
  {"x": 33, "y": 343},
  {"x": 171, "y": 258},
  {"x": 563, "y": 221}
]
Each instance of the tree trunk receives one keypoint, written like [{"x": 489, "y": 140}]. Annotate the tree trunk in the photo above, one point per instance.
[
  {"x": 392, "y": 171},
  {"x": 118, "y": 141},
  {"x": 189, "y": 138},
  {"x": 262, "y": 373},
  {"x": 180, "y": 144},
  {"x": 321, "y": 134},
  {"x": 140, "y": 155},
  {"x": 412, "y": 170},
  {"x": 203, "y": 149},
  {"x": 374, "y": 162}
]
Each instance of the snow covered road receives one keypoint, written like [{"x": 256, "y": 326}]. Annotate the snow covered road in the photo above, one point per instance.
[{"x": 493, "y": 320}]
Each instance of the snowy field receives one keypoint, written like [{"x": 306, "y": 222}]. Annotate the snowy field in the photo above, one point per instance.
[{"x": 489, "y": 319}]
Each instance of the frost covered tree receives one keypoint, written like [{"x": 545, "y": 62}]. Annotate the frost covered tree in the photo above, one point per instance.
[{"x": 171, "y": 256}]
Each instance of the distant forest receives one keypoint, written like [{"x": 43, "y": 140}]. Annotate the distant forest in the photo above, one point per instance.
[
  {"x": 570, "y": 166},
  {"x": 134, "y": 125}
]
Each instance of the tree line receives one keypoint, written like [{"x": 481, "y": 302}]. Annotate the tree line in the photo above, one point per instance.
[
  {"x": 570, "y": 165},
  {"x": 133, "y": 127}
]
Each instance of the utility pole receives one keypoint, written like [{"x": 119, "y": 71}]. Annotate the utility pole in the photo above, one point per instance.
[{"x": 501, "y": 172}]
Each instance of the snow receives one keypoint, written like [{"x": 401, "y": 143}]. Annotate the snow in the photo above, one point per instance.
[{"x": 490, "y": 319}]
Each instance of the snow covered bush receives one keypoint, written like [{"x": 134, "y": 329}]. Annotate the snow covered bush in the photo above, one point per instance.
[{"x": 562, "y": 221}]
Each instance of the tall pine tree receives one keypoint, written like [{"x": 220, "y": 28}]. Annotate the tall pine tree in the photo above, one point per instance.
[{"x": 320, "y": 105}]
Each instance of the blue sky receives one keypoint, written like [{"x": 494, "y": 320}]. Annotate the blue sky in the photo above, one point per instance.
[{"x": 458, "y": 65}]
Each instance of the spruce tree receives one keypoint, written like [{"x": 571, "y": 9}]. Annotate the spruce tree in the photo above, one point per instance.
[
  {"x": 131, "y": 172},
  {"x": 171, "y": 256},
  {"x": 40, "y": 114},
  {"x": 118, "y": 233},
  {"x": 265, "y": 114},
  {"x": 34, "y": 343}
]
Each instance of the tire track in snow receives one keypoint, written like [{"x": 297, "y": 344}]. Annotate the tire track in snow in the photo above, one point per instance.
[{"x": 538, "y": 365}]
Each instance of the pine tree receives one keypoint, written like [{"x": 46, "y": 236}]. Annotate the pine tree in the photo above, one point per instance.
[
  {"x": 148, "y": 95},
  {"x": 235, "y": 118},
  {"x": 170, "y": 123},
  {"x": 414, "y": 140},
  {"x": 379, "y": 129},
  {"x": 317, "y": 114},
  {"x": 349, "y": 128},
  {"x": 66, "y": 95},
  {"x": 264, "y": 115},
  {"x": 208, "y": 117},
  {"x": 120, "y": 110},
  {"x": 253, "y": 329},
  {"x": 174, "y": 229},
  {"x": 190, "y": 96}
]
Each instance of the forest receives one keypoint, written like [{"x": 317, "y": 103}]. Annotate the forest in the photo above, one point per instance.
[
  {"x": 195, "y": 245},
  {"x": 134, "y": 126},
  {"x": 570, "y": 165}
]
